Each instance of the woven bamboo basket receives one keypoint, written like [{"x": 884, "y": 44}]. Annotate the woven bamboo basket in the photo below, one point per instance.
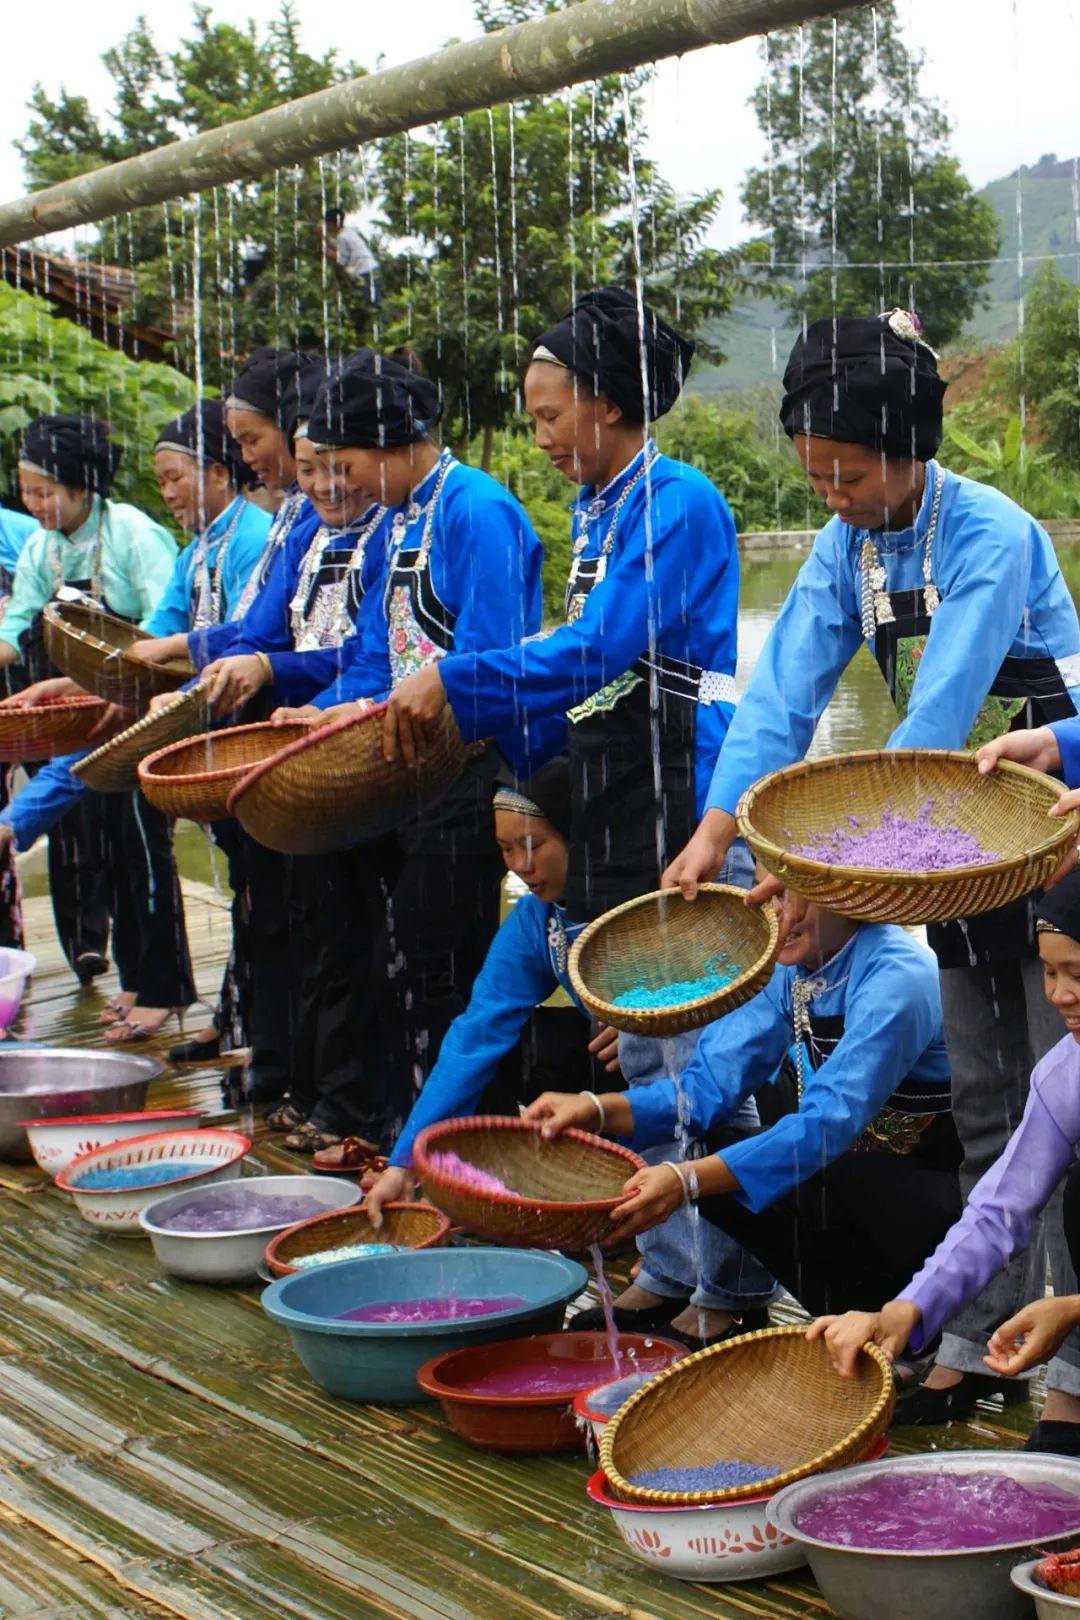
[
  {"x": 46, "y": 729},
  {"x": 407, "y": 1226},
  {"x": 114, "y": 767},
  {"x": 767, "y": 1398},
  {"x": 333, "y": 788},
  {"x": 91, "y": 646},
  {"x": 194, "y": 778},
  {"x": 564, "y": 1189},
  {"x": 1006, "y": 810},
  {"x": 660, "y": 939}
]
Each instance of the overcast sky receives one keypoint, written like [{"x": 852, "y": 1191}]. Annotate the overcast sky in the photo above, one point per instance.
[{"x": 1006, "y": 71}]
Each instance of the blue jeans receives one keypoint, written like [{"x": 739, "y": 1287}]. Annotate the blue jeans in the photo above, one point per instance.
[{"x": 686, "y": 1257}]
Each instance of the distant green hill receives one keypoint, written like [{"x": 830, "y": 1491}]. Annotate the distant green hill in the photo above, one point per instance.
[{"x": 1048, "y": 214}]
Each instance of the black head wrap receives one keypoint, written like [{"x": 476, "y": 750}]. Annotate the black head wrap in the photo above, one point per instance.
[
  {"x": 546, "y": 793},
  {"x": 373, "y": 403},
  {"x": 202, "y": 431},
  {"x": 299, "y": 402},
  {"x": 600, "y": 341},
  {"x": 265, "y": 381},
  {"x": 75, "y": 450},
  {"x": 1058, "y": 910},
  {"x": 865, "y": 380}
]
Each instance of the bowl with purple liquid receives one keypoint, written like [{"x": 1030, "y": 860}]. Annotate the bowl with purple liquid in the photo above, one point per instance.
[
  {"x": 363, "y": 1328},
  {"x": 518, "y": 1395},
  {"x": 931, "y": 1535},
  {"x": 219, "y": 1234}
]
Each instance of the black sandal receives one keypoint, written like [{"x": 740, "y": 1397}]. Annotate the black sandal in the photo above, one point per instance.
[
  {"x": 284, "y": 1117},
  {"x": 924, "y": 1407}
]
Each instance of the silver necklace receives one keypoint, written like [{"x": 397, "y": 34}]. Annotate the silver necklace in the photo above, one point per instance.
[
  {"x": 325, "y": 622},
  {"x": 412, "y": 514},
  {"x": 595, "y": 509},
  {"x": 204, "y": 615},
  {"x": 876, "y": 607},
  {"x": 275, "y": 538},
  {"x": 803, "y": 992}
]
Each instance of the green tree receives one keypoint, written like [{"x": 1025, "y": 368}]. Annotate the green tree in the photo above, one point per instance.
[
  {"x": 49, "y": 364},
  {"x": 211, "y": 244},
  {"x": 1042, "y": 368},
  {"x": 502, "y": 215},
  {"x": 859, "y": 181}
]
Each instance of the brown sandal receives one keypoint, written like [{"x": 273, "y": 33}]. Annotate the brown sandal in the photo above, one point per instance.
[{"x": 284, "y": 1117}]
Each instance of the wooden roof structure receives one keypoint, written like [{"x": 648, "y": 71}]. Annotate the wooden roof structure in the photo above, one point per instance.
[{"x": 95, "y": 296}]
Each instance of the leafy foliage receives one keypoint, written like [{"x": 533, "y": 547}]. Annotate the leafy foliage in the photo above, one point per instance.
[
  {"x": 859, "y": 173},
  {"x": 48, "y": 364},
  {"x": 1043, "y": 368},
  {"x": 214, "y": 244},
  {"x": 504, "y": 215}
]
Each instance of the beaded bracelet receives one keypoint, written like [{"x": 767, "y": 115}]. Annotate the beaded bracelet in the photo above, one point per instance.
[{"x": 599, "y": 1107}]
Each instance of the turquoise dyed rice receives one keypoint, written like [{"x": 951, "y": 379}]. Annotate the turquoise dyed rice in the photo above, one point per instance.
[
  {"x": 717, "y": 976},
  {"x": 347, "y": 1251},
  {"x": 127, "y": 1177}
]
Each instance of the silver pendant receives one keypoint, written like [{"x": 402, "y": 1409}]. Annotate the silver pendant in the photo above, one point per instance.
[
  {"x": 883, "y": 612},
  {"x": 932, "y": 599}
]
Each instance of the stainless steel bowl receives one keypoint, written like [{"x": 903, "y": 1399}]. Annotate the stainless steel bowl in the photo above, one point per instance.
[
  {"x": 42, "y": 1082},
  {"x": 862, "y": 1583}
]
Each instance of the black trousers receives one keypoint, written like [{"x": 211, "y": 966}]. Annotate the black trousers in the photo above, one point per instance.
[
  {"x": 551, "y": 1055},
  {"x": 1070, "y": 1215},
  {"x": 257, "y": 1001},
  {"x": 852, "y": 1235},
  {"x": 133, "y": 844},
  {"x": 437, "y": 907}
]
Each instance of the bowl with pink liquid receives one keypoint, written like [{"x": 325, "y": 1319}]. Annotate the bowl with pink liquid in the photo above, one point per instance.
[
  {"x": 517, "y": 1396},
  {"x": 15, "y": 968},
  {"x": 363, "y": 1328},
  {"x": 936, "y": 1534}
]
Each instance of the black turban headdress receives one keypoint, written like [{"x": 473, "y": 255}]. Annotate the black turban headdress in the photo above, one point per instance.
[
  {"x": 75, "y": 450},
  {"x": 546, "y": 793},
  {"x": 300, "y": 400},
  {"x": 1058, "y": 910},
  {"x": 266, "y": 380},
  {"x": 601, "y": 340},
  {"x": 373, "y": 403},
  {"x": 201, "y": 431},
  {"x": 865, "y": 380}
]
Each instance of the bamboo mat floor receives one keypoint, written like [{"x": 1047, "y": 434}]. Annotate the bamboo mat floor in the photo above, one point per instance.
[{"x": 162, "y": 1453}]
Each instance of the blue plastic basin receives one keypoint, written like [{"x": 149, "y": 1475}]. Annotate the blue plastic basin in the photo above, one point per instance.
[{"x": 378, "y": 1361}]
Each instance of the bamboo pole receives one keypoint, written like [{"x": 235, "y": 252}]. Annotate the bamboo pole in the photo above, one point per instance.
[{"x": 548, "y": 53}]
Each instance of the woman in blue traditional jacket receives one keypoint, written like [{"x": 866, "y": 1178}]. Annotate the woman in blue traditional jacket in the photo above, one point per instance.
[
  {"x": 525, "y": 964},
  {"x": 958, "y": 595},
  {"x": 644, "y": 667},
  {"x": 462, "y": 570},
  {"x": 852, "y": 1181},
  {"x": 15, "y": 529}
]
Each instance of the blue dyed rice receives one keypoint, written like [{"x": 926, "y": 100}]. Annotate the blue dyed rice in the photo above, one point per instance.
[
  {"x": 141, "y": 1175},
  {"x": 347, "y": 1251},
  {"x": 717, "y": 1476},
  {"x": 716, "y": 976}
]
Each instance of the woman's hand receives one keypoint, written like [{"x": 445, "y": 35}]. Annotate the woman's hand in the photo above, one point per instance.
[
  {"x": 648, "y": 1198},
  {"x": 703, "y": 856},
  {"x": 395, "y": 1184},
  {"x": 7, "y": 839},
  {"x": 113, "y": 719},
  {"x": 308, "y": 711},
  {"x": 59, "y": 686},
  {"x": 605, "y": 1049},
  {"x": 413, "y": 706},
  {"x": 1037, "y": 748},
  {"x": 890, "y": 1329},
  {"x": 1032, "y": 1335},
  {"x": 233, "y": 680},
  {"x": 557, "y": 1111},
  {"x": 160, "y": 649}
]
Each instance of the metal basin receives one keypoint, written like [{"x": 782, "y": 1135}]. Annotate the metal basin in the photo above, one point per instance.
[
  {"x": 43, "y": 1081},
  {"x": 863, "y": 1583}
]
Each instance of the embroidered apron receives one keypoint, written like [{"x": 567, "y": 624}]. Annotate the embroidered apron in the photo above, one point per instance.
[
  {"x": 1025, "y": 692},
  {"x": 329, "y": 588}
]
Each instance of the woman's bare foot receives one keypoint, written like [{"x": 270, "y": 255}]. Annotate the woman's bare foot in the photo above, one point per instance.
[
  {"x": 1060, "y": 1407},
  {"x": 701, "y": 1323},
  {"x": 941, "y": 1377},
  {"x": 117, "y": 1009},
  {"x": 140, "y": 1024}
]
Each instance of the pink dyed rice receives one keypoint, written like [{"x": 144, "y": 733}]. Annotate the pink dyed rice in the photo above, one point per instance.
[
  {"x": 900, "y": 844},
  {"x": 457, "y": 1169}
]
